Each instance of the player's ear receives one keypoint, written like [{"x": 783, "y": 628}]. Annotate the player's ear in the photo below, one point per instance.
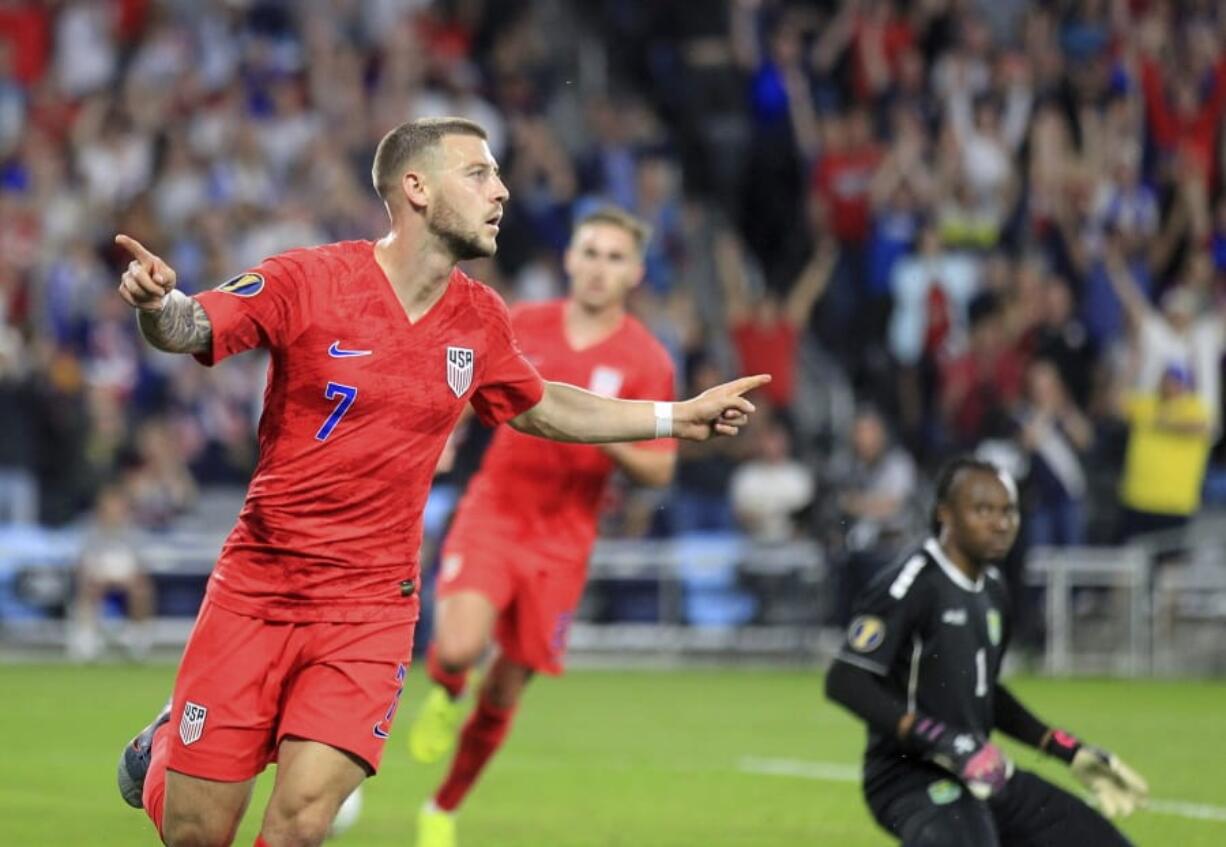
[
  {"x": 640, "y": 271},
  {"x": 415, "y": 187},
  {"x": 943, "y": 514}
]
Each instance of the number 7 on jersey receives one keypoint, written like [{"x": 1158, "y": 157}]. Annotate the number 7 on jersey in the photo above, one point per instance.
[{"x": 347, "y": 394}]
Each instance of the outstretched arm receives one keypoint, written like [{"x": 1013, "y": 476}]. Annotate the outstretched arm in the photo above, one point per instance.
[
  {"x": 730, "y": 269},
  {"x": 812, "y": 282},
  {"x": 567, "y": 413},
  {"x": 170, "y": 320},
  {"x": 1126, "y": 288}
]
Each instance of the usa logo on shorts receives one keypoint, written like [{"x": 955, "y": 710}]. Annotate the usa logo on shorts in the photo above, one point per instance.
[
  {"x": 191, "y": 727},
  {"x": 459, "y": 369}
]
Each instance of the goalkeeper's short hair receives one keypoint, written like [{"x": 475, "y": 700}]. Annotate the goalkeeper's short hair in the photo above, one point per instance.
[{"x": 946, "y": 478}]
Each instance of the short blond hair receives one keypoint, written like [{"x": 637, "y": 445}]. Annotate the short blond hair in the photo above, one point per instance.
[
  {"x": 616, "y": 216},
  {"x": 408, "y": 141}
]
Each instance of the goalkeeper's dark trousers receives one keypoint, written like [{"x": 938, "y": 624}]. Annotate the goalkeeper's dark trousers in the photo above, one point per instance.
[{"x": 1030, "y": 812}]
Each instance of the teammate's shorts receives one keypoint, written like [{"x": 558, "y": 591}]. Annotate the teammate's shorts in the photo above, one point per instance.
[
  {"x": 535, "y": 593},
  {"x": 245, "y": 684}
]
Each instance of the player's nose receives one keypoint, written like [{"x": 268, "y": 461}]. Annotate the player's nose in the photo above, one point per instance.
[{"x": 501, "y": 192}]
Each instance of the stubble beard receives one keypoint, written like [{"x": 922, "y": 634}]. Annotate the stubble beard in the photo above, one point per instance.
[{"x": 447, "y": 225}]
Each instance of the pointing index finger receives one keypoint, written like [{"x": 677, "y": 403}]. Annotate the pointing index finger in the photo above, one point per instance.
[
  {"x": 134, "y": 247},
  {"x": 748, "y": 383}
]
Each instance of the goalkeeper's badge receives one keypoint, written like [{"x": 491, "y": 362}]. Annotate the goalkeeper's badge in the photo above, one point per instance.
[
  {"x": 191, "y": 726},
  {"x": 459, "y": 369},
  {"x": 866, "y": 633},
  {"x": 995, "y": 627}
]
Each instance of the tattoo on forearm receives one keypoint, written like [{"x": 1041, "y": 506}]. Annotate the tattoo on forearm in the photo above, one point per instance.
[{"x": 182, "y": 326}]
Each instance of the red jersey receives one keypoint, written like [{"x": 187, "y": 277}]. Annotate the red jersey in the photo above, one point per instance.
[
  {"x": 769, "y": 349},
  {"x": 544, "y": 493},
  {"x": 842, "y": 179},
  {"x": 358, "y": 407}
]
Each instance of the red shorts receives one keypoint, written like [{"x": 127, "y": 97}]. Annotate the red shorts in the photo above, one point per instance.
[
  {"x": 245, "y": 683},
  {"x": 535, "y": 593}
]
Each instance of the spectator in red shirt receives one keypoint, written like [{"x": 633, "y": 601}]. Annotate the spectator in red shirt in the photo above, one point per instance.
[
  {"x": 840, "y": 204},
  {"x": 1183, "y": 110},
  {"x": 26, "y": 28},
  {"x": 840, "y": 181},
  {"x": 880, "y": 38},
  {"x": 986, "y": 379},
  {"x": 766, "y": 329}
]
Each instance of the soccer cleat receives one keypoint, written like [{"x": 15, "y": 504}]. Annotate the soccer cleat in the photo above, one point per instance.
[
  {"x": 134, "y": 761},
  {"x": 433, "y": 730},
  {"x": 435, "y": 828}
]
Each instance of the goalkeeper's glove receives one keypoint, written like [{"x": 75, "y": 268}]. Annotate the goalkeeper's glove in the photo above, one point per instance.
[
  {"x": 978, "y": 763},
  {"x": 1118, "y": 789}
]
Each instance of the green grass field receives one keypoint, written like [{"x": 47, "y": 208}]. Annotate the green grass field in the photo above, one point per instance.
[{"x": 664, "y": 759}]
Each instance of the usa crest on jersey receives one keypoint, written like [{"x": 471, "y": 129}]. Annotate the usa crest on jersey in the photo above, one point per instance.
[
  {"x": 459, "y": 369},
  {"x": 191, "y": 726}
]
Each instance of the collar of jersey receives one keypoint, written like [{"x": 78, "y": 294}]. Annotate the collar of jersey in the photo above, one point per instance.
[{"x": 951, "y": 570}]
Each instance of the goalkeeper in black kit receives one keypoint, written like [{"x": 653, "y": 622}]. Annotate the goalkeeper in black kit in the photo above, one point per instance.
[{"x": 920, "y": 667}]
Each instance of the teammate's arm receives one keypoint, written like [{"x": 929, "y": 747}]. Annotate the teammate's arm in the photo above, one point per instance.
[
  {"x": 643, "y": 466},
  {"x": 1117, "y": 787},
  {"x": 567, "y": 413},
  {"x": 170, "y": 320}
]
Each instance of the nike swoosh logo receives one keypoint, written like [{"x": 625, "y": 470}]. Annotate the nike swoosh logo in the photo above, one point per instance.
[{"x": 336, "y": 352}]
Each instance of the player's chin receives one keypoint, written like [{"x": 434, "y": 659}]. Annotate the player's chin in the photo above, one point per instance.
[
  {"x": 476, "y": 248},
  {"x": 996, "y": 550}
]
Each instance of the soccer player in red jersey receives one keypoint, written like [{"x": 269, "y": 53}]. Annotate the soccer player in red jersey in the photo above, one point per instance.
[
  {"x": 515, "y": 560},
  {"x": 301, "y": 646}
]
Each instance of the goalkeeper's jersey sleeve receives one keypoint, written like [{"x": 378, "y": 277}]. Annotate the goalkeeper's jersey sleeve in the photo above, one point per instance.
[{"x": 937, "y": 638}]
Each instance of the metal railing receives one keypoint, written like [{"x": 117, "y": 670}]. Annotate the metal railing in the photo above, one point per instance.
[{"x": 1156, "y": 606}]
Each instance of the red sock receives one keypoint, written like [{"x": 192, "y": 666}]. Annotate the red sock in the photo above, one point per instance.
[
  {"x": 452, "y": 681},
  {"x": 153, "y": 797},
  {"x": 479, "y": 740}
]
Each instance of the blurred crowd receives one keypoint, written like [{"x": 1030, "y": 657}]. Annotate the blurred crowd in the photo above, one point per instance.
[{"x": 943, "y": 225}]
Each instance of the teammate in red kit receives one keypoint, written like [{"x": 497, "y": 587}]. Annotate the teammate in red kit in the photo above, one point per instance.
[
  {"x": 300, "y": 649},
  {"x": 515, "y": 560}
]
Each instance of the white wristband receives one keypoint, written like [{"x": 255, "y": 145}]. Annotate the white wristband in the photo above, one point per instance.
[{"x": 664, "y": 420}]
